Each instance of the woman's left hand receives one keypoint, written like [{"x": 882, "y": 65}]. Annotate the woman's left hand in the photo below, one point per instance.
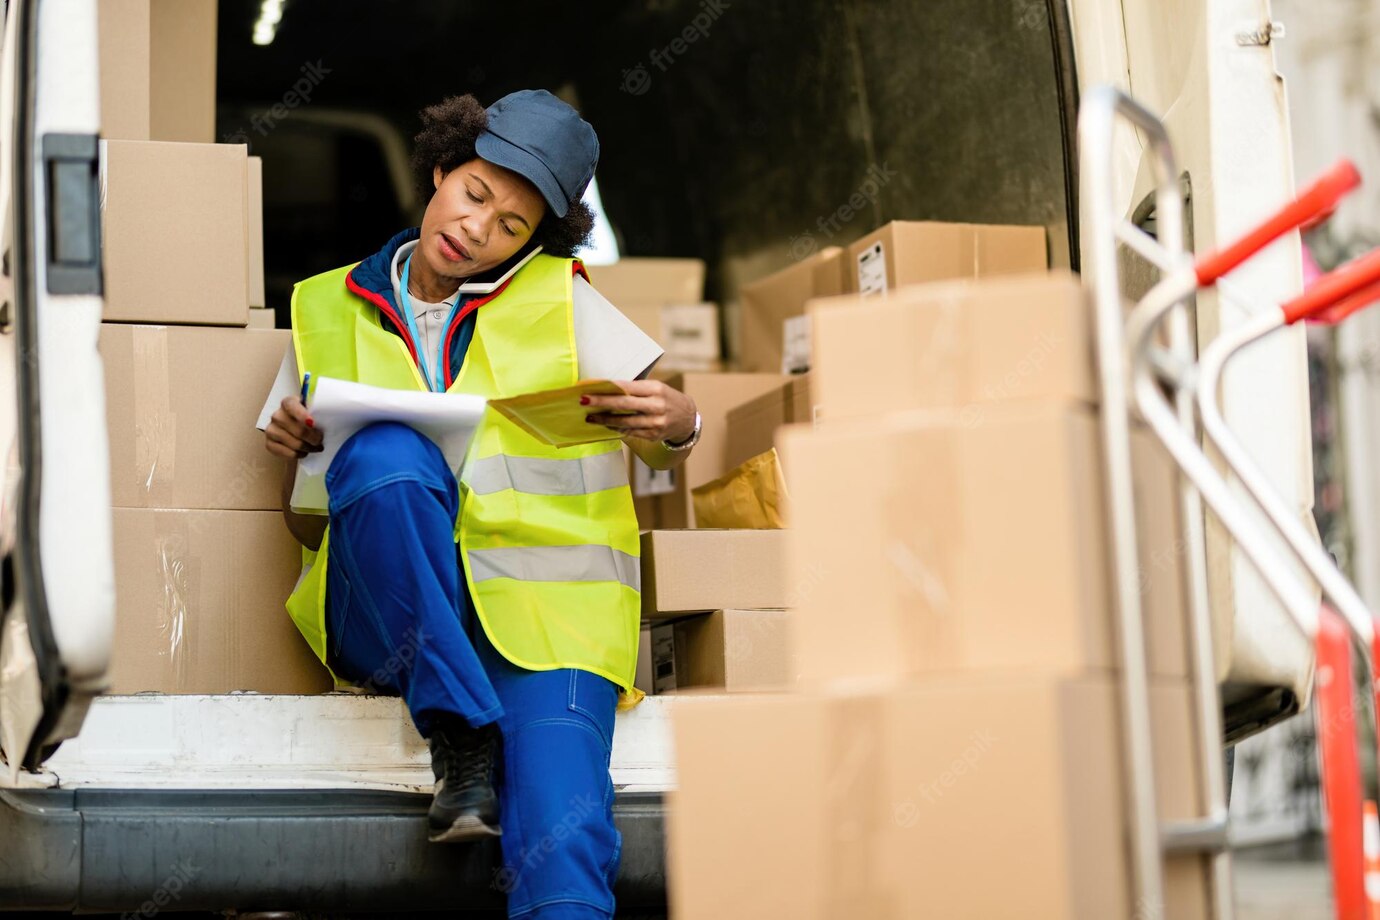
[{"x": 660, "y": 413}]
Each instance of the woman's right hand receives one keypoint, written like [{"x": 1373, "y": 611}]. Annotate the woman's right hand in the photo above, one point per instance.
[{"x": 290, "y": 433}]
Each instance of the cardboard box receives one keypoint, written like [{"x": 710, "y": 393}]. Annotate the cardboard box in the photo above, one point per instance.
[
  {"x": 991, "y": 797},
  {"x": 734, "y": 650},
  {"x": 174, "y": 228},
  {"x": 157, "y": 69},
  {"x": 632, "y": 282},
  {"x": 255, "y": 236},
  {"x": 914, "y": 252},
  {"x": 931, "y": 542},
  {"x": 181, "y": 437},
  {"x": 690, "y": 335},
  {"x": 957, "y": 344},
  {"x": 642, "y": 676},
  {"x": 199, "y": 604},
  {"x": 714, "y": 396},
  {"x": 752, "y": 426},
  {"x": 769, "y": 302},
  {"x": 696, "y": 571},
  {"x": 262, "y": 318}
]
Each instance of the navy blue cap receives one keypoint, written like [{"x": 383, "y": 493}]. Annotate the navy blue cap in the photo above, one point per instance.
[{"x": 544, "y": 140}]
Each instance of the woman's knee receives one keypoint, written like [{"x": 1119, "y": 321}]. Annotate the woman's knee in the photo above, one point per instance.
[{"x": 387, "y": 449}]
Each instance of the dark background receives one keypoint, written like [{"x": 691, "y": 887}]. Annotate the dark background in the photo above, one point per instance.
[{"x": 740, "y": 151}]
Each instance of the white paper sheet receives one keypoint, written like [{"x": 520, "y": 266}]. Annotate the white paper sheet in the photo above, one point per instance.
[{"x": 340, "y": 408}]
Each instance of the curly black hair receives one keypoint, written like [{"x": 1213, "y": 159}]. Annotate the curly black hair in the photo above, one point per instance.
[{"x": 449, "y": 130}]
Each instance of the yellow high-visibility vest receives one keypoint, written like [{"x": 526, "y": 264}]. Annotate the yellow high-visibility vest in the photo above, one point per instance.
[{"x": 548, "y": 537}]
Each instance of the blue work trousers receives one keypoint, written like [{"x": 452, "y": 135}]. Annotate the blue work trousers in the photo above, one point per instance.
[{"x": 399, "y": 620}]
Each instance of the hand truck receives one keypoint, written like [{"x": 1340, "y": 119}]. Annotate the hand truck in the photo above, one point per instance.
[{"x": 1135, "y": 370}]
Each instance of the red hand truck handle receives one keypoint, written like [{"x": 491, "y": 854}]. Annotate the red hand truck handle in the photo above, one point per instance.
[
  {"x": 1334, "y": 287},
  {"x": 1341, "y": 767},
  {"x": 1343, "y": 308},
  {"x": 1317, "y": 200}
]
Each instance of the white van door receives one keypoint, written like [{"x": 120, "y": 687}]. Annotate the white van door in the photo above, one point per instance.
[{"x": 59, "y": 598}]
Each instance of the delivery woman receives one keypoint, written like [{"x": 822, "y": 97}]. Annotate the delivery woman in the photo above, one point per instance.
[{"x": 504, "y": 609}]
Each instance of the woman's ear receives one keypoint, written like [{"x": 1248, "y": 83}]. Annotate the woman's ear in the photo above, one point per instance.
[{"x": 437, "y": 174}]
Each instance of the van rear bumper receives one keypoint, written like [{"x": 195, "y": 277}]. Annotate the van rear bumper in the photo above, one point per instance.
[{"x": 141, "y": 850}]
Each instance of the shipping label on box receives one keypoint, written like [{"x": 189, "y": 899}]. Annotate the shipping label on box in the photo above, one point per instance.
[
  {"x": 872, "y": 270},
  {"x": 795, "y": 345},
  {"x": 690, "y": 335},
  {"x": 663, "y": 642},
  {"x": 648, "y": 482}
]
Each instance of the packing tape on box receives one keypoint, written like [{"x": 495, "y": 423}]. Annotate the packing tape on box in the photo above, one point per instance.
[
  {"x": 856, "y": 807},
  {"x": 176, "y": 568},
  {"x": 155, "y": 425}
]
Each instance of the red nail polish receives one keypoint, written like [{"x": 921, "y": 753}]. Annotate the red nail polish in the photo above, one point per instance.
[
  {"x": 584, "y": 400},
  {"x": 310, "y": 423}
]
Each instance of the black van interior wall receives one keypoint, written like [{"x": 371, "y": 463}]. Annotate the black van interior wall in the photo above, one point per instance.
[{"x": 744, "y": 132}]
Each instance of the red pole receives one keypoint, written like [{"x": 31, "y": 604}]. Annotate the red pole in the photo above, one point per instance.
[{"x": 1341, "y": 767}]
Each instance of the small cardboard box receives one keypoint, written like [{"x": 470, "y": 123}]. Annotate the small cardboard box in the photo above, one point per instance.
[
  {"x": 752, "y": 426},
  {"x": 955, "y": 344},
  {"x": 688, "y": 332},
  {"x": 157, "y": 69},
  {"x": 174, "y": 222},
  {"x": 908, "y": 786},
  {"x": 769, "y": 302},
  {"x": 734, "y": 650},
  {"x": 928, "y": 542},
  {"x": 261, "y": 318},
  {"x": 714, "y": 396},
  {"x": 914, "y": 252},
  {"x": 697, "y": 571},
  {"x": 181, "y": 437},
  {"x": 255, "y": 238},
  {"x": 199, "y": 604},
  {"x": 633, "y": 282}
]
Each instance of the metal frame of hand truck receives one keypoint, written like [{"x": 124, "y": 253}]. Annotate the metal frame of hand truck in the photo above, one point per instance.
[{"x": 1134, "y": 370}]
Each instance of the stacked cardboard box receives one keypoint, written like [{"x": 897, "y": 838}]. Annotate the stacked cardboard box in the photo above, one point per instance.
[
  {"x": 950, "y": 624},
  {"x": 714, "y": 610},
  {"x": 665, "y": 298},
  {"x": 203, "y": 559},
  {"x": 776, "y": 333}
]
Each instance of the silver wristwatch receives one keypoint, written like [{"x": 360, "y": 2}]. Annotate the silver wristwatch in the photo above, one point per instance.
[{"x": 688, "y": 442}]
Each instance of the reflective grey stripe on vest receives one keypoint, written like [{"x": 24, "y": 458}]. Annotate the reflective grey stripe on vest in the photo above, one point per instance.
[
  {"x": 545, "y": 476},
  {"x": 556, "y": 563}
]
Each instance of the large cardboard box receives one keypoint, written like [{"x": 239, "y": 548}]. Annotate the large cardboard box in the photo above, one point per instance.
[
  {"x": 199, "y": 604},
  {"x": 955, "y": 344},
  {"x": 973, "y": 797},
  {"x": 767, "y": 304},
  {"x": 255, "y": 238},
  {"x": 175, "y": 232},
  {"x": 714, "y": 396},
  {"x": 734, "y": 650},
  {"x": 158, "y": 69},
  {"x": 926, "y": 542},
  {"x": 181, "y": 433},
  {"x": 752, "y": 426},
  {"x": 913, "y": 252},
  {"x": 696, "y": 571}
]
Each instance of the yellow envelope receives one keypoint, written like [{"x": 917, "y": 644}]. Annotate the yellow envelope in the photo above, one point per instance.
[
  {"x": 752, "y": 495},
  {"x": 556, "y": 416}
]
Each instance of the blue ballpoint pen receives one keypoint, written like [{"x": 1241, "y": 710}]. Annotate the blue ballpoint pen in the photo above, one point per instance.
[{"x": 306, "y": 379}]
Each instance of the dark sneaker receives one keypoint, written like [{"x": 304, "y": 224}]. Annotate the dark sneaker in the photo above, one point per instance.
[{"x": 465, "y": 806}]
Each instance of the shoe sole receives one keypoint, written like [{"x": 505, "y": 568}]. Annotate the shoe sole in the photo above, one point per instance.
[{"x": 465, "y": 828}]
